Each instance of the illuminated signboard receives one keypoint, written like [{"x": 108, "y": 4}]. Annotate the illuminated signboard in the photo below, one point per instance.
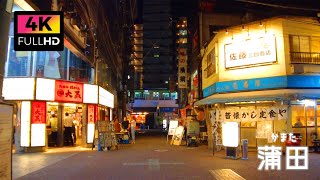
[
  {"x": 68, "y": 91},
  {"x": 251, "y": 52},
  {"x": 18, "y": 88},
  {"x": 91, "y": 115},
  {"x": 230, "y": 134},
  {"x": 106, "y": 98},
  {"x": 38, "y": 112},
  {"x": 38, "y": 137},
  {"x": 25, "y": 123},
  {"x": 38, "y": 123},
  {"x": 45, "y": 89},
  {"x": 90, "y": 94}
]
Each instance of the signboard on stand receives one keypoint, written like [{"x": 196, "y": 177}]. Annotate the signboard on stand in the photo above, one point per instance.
[
  {"x": 6, "y": 112},
  {"x": 178, "y": 135},
  {"x": 172, "y": 127}
]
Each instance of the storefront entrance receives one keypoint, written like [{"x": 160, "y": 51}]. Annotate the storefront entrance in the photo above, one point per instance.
[{"x": 59, "y": 131}]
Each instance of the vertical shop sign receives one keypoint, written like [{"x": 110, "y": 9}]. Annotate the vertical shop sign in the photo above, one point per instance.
[
  {"x": 38, "y": 123},
  {"x": 182, "y": 67},
  {"x": 91, "y": 114},
  {"x": 68, "y": 91},
  {"x": 183, "y": 115},
  {"x": 38, "y": 112},
  {"x": 92, "y": 117}
]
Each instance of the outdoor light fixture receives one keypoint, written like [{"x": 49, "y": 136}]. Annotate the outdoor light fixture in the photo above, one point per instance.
[
  {"x": 261, "y": 24},
  {"x": 243, "y": 28},
  {"x": 227, "y": 31}
]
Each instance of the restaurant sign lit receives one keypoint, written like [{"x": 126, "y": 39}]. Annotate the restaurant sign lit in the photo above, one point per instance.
[
  {"x": 91, "y": 114},
  {"x": 251, "y": 52},
  {"x": 68, "y": 91},
  {"x": 38, "y": 112}
]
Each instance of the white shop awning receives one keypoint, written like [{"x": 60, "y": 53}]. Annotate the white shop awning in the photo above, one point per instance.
[{"x": 267, "y": 95}]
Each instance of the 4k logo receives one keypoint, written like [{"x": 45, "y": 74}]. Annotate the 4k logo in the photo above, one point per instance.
[{"x": 38, "y": 31}]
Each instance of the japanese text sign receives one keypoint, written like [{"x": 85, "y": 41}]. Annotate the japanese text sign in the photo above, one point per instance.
[
  {"x": 38, "y": 112},
  {"x": 68, "y": 91},
  {"x": 91, "y": 114},
  {"x": 251, "y": 51},
  {"x": 255, "y": 114}
]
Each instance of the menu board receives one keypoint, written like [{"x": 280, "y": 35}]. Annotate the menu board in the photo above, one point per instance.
[
  {"x": 178, "y": 135},
  {"x": 172, "y": 127}
]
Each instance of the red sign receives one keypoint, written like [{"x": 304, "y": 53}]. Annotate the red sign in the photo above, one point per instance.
[
  {"x": 68, "y": 91},
  {"x": 183, "y": 113},
  {"x": 195, "y": 81},
  {"x": 91, "y": 114},
  {"x": 38, "y": 112}
]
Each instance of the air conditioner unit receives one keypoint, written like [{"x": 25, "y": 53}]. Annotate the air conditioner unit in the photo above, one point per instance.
[{"x": 297, "y": 68}]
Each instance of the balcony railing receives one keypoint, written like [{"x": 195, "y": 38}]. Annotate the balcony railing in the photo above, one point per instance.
[{"x": 305, "y": 58}]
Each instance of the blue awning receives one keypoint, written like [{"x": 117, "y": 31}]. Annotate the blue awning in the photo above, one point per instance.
[{"x": 267, "y": 95}]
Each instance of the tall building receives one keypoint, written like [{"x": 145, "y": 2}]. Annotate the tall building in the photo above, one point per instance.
[
  {"x": 152, "y": 56},
  {"x": 137, "y": 55},
  {"x": 158, "y": 63}
]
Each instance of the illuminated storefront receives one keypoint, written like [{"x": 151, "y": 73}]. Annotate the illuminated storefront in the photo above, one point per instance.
[
  {"x": 253, "y": 74},
  {"x": 40, "y": 99}
]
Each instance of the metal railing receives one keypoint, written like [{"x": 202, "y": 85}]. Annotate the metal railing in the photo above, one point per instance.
[{"x": 305, "y": 58}]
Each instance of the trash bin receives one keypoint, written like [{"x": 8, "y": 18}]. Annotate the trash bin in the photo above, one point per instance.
[{"x": 244, "y": 148}]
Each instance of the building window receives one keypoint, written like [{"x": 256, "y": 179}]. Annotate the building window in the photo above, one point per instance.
[
  {"x": 52, "y": 64},
  {"x": 174, "y": 96},
  {"x": 156, "y": 55},
  {"x": 182, "y": 32},
  {"x": 146, "y": 95},
  {"x": 19, "y": 63},
  {"x": 137, "y": 95},
  {"x": 183, "y": 40},
  {"x": 155, "y": 95},
  {"x": 79, "y": 70},
  {"x": 165, "y": 96},
  {"x": 211, "y": 63},
  {"x": 304, "y": 49}
]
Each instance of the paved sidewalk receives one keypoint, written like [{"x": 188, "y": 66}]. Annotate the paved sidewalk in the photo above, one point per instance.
[
  {"x": 26, "y": 163},
  {"x": 152, "y": 158}
]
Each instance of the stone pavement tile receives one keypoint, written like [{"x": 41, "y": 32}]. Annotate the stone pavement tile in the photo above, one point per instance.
[{"x": 26, "y": 163}]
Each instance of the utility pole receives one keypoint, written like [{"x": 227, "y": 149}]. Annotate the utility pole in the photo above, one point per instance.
[{"x": 5, "y": 17}]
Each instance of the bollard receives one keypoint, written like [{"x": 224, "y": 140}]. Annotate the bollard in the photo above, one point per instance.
[{"x": 244, "y": 149}]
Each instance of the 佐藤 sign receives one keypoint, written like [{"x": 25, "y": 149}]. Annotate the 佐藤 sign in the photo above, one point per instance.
[
  {"x": 38, "y": 112},
  {"x": 251, "y": 52},
  {"x": 68, "y": 91}
]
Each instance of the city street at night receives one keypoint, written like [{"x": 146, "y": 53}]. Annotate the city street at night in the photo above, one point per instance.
[{"x": 159, "y": 89}]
